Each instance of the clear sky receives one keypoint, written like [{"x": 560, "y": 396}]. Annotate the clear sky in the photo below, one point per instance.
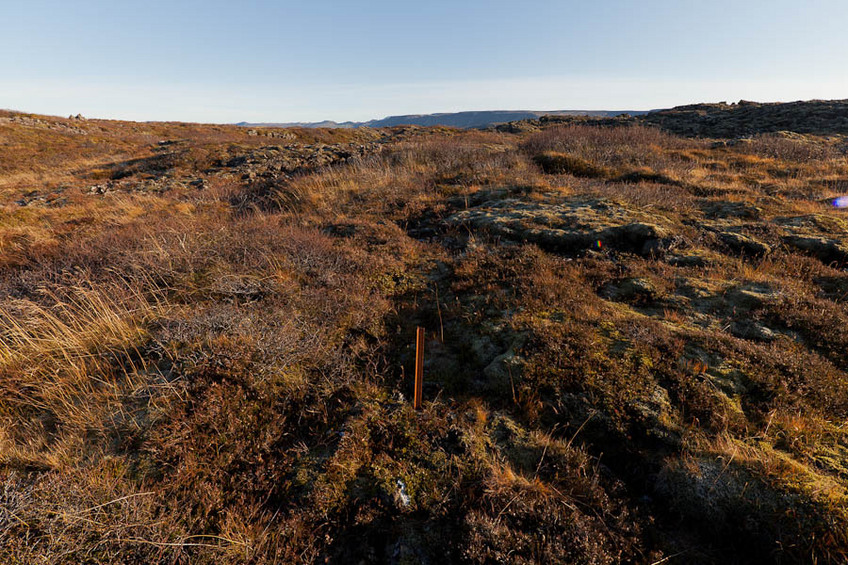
[{"x": 228, "y": 61}]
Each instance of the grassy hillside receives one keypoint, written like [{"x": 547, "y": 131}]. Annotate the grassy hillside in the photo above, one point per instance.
[{"x": 636, "y": 345}]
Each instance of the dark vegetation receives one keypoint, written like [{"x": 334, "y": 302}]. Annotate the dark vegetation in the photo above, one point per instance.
[{"x": 636, "y": 345}]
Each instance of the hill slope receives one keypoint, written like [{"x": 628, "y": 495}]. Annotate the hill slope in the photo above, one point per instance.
[{"x": 636, "y": 345}]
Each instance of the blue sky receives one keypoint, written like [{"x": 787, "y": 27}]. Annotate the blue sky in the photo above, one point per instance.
[{"x": 216, "y": 61}]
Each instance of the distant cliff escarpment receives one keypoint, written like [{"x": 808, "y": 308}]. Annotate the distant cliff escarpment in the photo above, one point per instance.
[{"x": 464, "y": 120}]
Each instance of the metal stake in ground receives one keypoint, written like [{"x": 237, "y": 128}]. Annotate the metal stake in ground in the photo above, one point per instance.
[{"x": 419, "y": 367}]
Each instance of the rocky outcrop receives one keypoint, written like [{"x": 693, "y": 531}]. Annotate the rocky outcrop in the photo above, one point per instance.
[
  {"x": 294, "y": 157},
  {"x": 720, "y": 120},
  {"x": 632, "y": 290},
  {"x": 744, "y": 244},
  {"x": 826, "y": 250},
  {"x": 747, "y": 329},
  {"x": 750, "y": 118},
  {"x": 569, "y": 226},
  {"x": 61, "y": 126}
]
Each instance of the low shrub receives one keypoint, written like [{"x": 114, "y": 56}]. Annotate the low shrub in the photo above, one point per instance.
[{"x": 555, "y": 163}]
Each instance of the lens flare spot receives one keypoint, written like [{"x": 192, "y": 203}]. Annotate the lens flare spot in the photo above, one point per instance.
[{"x": 841, "y": 202}]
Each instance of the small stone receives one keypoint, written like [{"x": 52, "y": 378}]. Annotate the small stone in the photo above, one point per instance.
[{"x": 402, "y": 494}]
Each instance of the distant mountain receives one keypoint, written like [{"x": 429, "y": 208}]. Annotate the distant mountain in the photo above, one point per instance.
[
  {"x": 456, "y": 119},
  {"x": 323, "y": 124}
]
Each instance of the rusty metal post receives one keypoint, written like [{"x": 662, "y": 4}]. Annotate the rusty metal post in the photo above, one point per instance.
[{"x": 419, "y": 367}]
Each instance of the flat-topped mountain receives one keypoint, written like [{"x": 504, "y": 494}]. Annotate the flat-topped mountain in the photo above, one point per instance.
[
  {"x": 717, "y": 120},
  {"x": 474, "y": 119}
]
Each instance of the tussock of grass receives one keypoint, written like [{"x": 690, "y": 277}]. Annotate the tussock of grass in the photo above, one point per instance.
[{"x": 69, "y": 360}]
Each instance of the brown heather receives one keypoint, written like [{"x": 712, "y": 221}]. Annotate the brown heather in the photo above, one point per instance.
[{"x": 636, "y": 345}]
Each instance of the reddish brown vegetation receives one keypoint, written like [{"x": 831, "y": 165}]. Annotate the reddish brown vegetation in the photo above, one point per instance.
[{"x": 205, "y": 347}]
